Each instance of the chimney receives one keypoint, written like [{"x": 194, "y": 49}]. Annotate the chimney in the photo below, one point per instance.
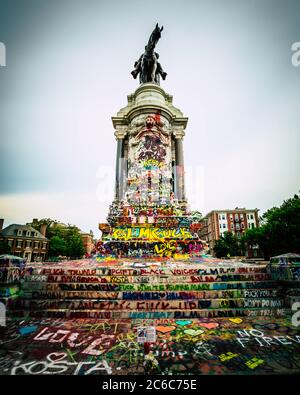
[
  {"x": 1, "y": 224},
  {"x": 43, "y": 229}
]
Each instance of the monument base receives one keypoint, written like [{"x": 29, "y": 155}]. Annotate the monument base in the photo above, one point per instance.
[{"x": 144, "y": 288}]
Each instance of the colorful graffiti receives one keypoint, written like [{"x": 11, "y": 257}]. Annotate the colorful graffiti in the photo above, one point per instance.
[
  {"x": 148, "y": 209},
  {"x": 155, "y": 290},
  {"x": 150, "y": 234},
  {"x": 195, "y": 346}
]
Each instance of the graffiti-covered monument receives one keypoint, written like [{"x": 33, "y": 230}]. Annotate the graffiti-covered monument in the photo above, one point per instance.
[
  {"x": 149, "y": 218},
  {"x": 149, "y": 215}
]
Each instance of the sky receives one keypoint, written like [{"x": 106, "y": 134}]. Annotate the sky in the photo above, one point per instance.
[{"x": 67, "y": 72}]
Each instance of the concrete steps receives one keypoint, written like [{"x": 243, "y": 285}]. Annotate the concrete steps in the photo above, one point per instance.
[
  {"x": 9, "y": 283},
  {"x": 169, "y": 291},
  {"x": 142, "y": 287},
  {"x": 142, "y": 305},
  {"x": 148, "y": 295},
  {"x": 105, "y": 314}
]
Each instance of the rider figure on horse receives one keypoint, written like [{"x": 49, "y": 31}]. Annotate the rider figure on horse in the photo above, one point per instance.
[{"x": 148, "y": 66}]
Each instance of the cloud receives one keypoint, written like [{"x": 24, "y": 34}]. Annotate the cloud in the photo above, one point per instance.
[
  {"x": 68, "y": 71},
  {"x": 81, "y": 209}
]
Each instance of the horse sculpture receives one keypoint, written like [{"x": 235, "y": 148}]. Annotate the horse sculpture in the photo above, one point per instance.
[{"x": 148, "y": 66}]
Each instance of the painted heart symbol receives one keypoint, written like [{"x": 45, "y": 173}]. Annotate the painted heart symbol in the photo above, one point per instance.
[
  {"x": 193, "y": 332},
  {"x": 209, "y": 325},
  {"x": 165, "y": 329},
  {"x": 183, "y": 322},
  {"x": 236, "y": 320},
  {"x": 56, "y": 356}
]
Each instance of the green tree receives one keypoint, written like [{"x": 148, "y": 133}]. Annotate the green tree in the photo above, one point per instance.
[
  {"x": 280, "y": 231},
  {"x": 51, "y": 226},
  {"x": 4, "y": 248},
  {"x": 75, "y": 247},
  {"x": 73, "y": 239},
  {"x": 228, "y": 244},
  {"x": 57, "y": 246},
  {"x": 196, "y": 216},
  {"x": 253, "y": 237},
  {"x": 64, "y": 239},
  {"x": 220, "y": 248},
  {"x": 282, "y": 227}
]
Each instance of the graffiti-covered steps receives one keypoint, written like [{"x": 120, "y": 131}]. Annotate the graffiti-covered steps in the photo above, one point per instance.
[
  {"x": 157, "y": 290},
  {"x": 148, "y": 295},
  {"x": 96, "y": 314}
]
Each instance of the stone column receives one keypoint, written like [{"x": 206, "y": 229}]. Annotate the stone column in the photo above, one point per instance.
[
  {"x": 123, "y": 169},
  {"x": 119, "y": 180},
  {"x": 179, "y": 163},
  {"x": 118, "y": 160},
  {"x": 173, "y": 167}
]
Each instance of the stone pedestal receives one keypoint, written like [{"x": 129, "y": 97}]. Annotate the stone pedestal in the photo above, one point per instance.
[
  {"x": 150, "y": 115},
  {"x": 149, "y": 213}
]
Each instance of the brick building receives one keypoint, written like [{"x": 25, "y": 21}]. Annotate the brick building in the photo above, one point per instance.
[
  {"x": 87, "y": 241},
  {"x": 217, "y": 222},
  {"x": 25, "y": 241}
]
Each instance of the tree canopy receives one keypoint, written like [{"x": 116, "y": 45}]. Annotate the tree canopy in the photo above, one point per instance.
[
  {"x": 228, "y": 245},
  {"x": 280, "y": 229},
  {"x": 64, "y": 239},
  {"x": 5, "y": 248}
]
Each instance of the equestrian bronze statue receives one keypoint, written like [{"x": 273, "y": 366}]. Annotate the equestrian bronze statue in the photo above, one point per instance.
[{"x": 148, "y": 66}]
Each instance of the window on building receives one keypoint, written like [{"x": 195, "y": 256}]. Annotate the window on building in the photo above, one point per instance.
[
  {"x": 223, "y": 217},
  {"x": 231, "y": 217},
  {"x": 238, "y": 235},
  {"x": 28, "y": 243},
  {"x": 44, "y": 246},
  {"x": 237, "y": 226},
  {"x": 19, "y": 232},
  {"x": 219, "y": 217},
  {"x": 242, "y": 216},
  {"x": 232, "y": 226},
  {"x": 251, "y": 216},
  {"x": 10, "y": 242},
  {"x": 19, "y": 244},
  {"x": 224, "y": 226},
  {"x": 220, "y": 226},
  {"x": 236, "y": 216},
  {"x": 243, "y": 226},
  {"x": 36, "y": 244},
  {"x": 253, "y": 226}
]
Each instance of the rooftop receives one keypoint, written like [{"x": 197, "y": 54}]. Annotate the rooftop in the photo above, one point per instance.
[
  {"x": 12, "y": 231},
  {"x": 233, "y": 210}
]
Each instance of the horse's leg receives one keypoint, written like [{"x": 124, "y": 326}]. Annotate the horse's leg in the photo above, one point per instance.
[
  {"x": 154, "y": 67},
  {"x": 146, "y": 70},
  {"x": 143, "y": 74}
]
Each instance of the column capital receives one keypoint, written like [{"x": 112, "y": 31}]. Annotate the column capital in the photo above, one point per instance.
[
  {"x": 178, "y": 133},
  {"x": 120, "y": 133}
]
